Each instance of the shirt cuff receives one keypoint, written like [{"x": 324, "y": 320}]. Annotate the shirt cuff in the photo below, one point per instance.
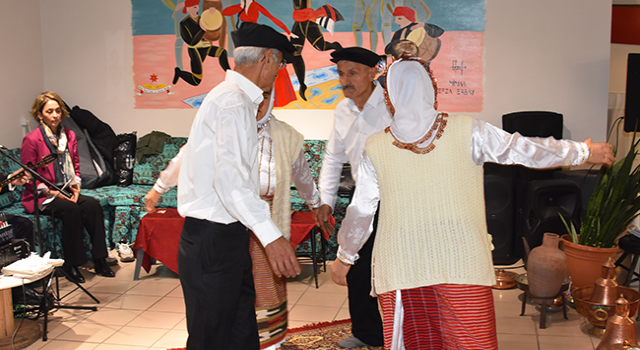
[
  {"x": 266, "y": 232},
  {"x": 160, "y": 187},
  {"x": 584, "y": 154},
  {"x": 346, "y": 257}
]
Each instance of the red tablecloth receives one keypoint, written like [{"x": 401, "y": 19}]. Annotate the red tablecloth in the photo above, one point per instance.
[
  {"x": 302, "y": 222},
  {"x": 159, "y": 237}
]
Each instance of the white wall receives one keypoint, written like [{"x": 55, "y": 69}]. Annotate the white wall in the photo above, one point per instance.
[
  {"x": 20, "y": 67},
  {"x": 539, "y": 55}
]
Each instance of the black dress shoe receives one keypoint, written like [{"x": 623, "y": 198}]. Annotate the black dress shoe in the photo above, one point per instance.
[
  {"x": 102, "y": 268},
  {"x": 73, "y": 274}
]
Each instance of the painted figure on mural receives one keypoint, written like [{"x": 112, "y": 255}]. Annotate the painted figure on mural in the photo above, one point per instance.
[
  {"x": 177, "y": 16},
  {"x": 249, "y": 11},
  {"x": 195, "y": 31},
  {"x": 366, "y": 14},
  {"x": 305, "y": 27},
  {"x": 426, "y": 36}
]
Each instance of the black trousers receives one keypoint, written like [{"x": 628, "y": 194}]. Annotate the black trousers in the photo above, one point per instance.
[
  {"x": 214, "y": 266},
  {"x": 366, "y": 323},
  {"x": 85, "y": 213}
]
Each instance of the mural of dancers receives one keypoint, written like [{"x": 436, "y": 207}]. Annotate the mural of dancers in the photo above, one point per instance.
[
  {"x": 198, "y": 33},
  {"x": 424, "y": 35},
  {"x": 306, "y": 27},
  {"x": 367, "y": 14}
]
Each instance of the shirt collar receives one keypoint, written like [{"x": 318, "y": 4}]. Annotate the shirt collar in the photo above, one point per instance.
[
  {"x": 246, "y": 85},
  {"x": 376, "y": 96}
]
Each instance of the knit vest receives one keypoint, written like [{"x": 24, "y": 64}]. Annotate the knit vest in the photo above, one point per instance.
[
  {"x": 287, "y": 144},
  {"x": 432, "y": 227}
]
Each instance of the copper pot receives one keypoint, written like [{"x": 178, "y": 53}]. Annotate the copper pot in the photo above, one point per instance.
[
  {"x": 504, "y": 279},
  {"x": 598, "y": 314}
]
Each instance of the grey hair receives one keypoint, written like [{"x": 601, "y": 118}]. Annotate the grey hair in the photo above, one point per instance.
[{"x": 251, "y": 54}]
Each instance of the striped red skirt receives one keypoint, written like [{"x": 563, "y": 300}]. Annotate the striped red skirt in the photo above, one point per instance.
[
  {"x": 271, "y": 297},
  {"x": 445, "y": 316}
]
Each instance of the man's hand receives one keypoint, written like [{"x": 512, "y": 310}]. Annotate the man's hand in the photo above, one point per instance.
[
  {"x": 339, "y": 271},
  {"x": 600, "y": 153},
  {"x": 283, "y": 260},
  {"x": 22, "y": 179},
  {"x": 322, "y": 217},
  {"x": 151, "y": 200}
]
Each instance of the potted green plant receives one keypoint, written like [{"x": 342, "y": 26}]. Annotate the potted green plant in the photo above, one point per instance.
[{"x": 612, "y": 206}]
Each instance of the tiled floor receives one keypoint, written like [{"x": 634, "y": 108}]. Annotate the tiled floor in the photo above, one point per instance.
[{"x": 149, "y": 314}]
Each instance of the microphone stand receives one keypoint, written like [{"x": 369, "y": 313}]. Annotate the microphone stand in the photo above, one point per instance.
[{"x": 44, "y": 305}]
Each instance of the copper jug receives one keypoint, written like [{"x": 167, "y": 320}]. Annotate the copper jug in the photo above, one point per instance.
[
  {"x": 621, "y": 331},
  {"x": 605, "y": 289}
]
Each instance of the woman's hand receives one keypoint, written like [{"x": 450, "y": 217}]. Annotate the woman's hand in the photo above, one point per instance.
[{"x": 600, "y": 153}]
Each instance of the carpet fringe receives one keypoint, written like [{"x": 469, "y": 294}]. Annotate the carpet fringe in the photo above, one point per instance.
[{"x": 312, "y": 326}]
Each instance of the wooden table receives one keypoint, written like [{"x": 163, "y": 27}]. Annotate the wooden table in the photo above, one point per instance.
[{"x": 30, "y": 330}]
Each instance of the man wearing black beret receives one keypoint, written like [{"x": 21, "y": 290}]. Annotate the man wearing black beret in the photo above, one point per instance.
[
  {"x": 218, "y": 195},
  {"x": 362, "y": 113}
]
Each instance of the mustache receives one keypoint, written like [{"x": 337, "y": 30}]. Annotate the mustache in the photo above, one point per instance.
[{"x": 349, "y": 86}]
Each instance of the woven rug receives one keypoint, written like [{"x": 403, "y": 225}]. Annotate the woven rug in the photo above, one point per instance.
[
  {"x": 324, "y": 335},
  {"x": 320, "y": 336}
]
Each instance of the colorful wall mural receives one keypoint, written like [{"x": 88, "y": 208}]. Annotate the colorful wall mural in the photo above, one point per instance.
[{"x": 181, "y": 48}]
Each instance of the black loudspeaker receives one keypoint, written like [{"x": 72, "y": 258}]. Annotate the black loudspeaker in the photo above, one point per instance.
[
  {"x": 499, "y": 196},
  {"x": 544, "y": 202},
  {"x": 534, "y": 123},
  {"x": 585, "y": 179},
  {"x": 632, "y": 96}
]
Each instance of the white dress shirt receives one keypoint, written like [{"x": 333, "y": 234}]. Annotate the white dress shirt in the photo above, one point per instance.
[
  {"x": 351, "y": 128},
  {"x": 218, "y": 178},
  {"x": 488, "y": 144}
]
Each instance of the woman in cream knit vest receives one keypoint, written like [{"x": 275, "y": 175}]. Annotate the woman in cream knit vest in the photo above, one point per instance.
[
  {"x": 432, "y": 262},
  {"x": 281, "y": 162}
]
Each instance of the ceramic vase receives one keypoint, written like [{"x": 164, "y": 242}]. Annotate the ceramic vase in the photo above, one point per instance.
[{"x": 546, "y": 267}]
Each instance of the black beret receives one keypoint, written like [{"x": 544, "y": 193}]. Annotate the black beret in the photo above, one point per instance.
[
  {"x": 356, "y": 54},
  {"x": 259, "y": 35}
]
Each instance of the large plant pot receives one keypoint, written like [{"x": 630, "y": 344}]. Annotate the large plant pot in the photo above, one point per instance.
[{"x": 584, "y": 264}]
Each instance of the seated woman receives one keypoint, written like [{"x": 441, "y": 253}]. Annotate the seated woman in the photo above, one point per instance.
[{"x": 78, "y": 212}]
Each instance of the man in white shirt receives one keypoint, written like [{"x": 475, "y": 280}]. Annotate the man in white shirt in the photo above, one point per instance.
[
  {"x": 362, "y": 113},
  {"x": 218, "y": 194}
]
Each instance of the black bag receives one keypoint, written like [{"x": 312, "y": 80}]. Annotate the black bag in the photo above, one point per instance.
[{"x": 124, "y": 157}]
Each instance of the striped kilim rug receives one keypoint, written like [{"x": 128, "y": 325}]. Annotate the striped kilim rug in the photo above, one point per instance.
[{"x": 325, "y": 336}]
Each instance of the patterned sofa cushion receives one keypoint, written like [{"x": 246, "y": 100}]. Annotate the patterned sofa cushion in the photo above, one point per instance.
[{"x": 147, "y": 172}]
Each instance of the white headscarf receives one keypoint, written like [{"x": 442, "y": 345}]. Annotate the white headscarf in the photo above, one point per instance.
[
  {"x": 411, "y": 93},
  {"x": 267, "y": 115}
]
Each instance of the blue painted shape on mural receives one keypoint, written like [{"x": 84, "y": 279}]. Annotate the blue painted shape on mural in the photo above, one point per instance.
[
  {"x": 337, "y": 87},
  {"x": 316, "y": 76},
  {"x": 152, "y": 17},
  {"x": 313, "y": 92},
  {"x": 195, "y": 101},
  {"x": 331, "y": 99}
]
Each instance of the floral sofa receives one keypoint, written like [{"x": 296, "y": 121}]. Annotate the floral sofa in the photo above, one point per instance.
[{"x": 124, "y": 206}]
